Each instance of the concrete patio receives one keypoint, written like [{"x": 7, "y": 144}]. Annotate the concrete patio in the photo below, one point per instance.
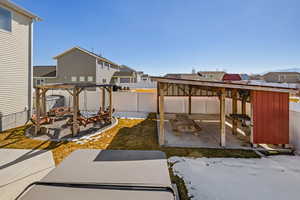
[
  {"x": 20, "y": 167},
  {"x": 207, "y": 137}
]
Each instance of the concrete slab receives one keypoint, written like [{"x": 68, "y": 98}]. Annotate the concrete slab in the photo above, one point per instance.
[
  {"x": 207, "y": 137},
  {"x": 20, "y": 167}
]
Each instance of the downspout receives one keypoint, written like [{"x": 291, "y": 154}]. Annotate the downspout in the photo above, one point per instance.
[{"x": 30, "y": 70}]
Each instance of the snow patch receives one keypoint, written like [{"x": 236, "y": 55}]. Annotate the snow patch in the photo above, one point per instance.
[{"x": 275, "y": 178}]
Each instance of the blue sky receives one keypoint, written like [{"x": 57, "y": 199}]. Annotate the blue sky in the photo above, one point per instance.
[{"x": 170, "y": 36}]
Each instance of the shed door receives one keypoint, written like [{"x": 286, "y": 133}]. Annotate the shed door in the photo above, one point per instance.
[{"x": 270, "y": 117}]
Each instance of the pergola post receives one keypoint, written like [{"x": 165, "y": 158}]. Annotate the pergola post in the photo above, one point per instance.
[
  {"x": 190, "y": 99},
  {"x": 244, "y": 101},
  {"x": 110, "y": 103},
  {"x": 161, "y": 114},
  {"x": 75, "y": 110},
  {"x": 222, "y": 117},
  {"x": 37, "y": 111},
  {"x": 157, "y": 98},
  {"x": 43, "y": 101},
  {"x": 234, "y": 111},
  {"x": 103, "y": 98}
]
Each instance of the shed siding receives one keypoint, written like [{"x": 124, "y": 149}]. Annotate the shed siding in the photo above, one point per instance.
[
  {"x": 74, "y": 63},
  {"x": 270, "y": 117},
  {"x": 14, "y": 66}
]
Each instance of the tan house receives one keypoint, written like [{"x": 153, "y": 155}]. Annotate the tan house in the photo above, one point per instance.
[
  {"x": 201, "y": 75},
  {"x": 16, "y": 27},
  {"x": 44, "y": 74},
  {"x": 125, "y": 74},
  {"x": 282, "y": 77},
  {"x": 78, "y": 65}
]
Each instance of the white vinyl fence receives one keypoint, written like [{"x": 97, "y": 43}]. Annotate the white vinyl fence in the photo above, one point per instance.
[
  {"x": 146, "y": 102},
  {"x": 295, "y": 125}
]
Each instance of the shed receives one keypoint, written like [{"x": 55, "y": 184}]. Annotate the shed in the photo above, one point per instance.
[{"x": 269, "y": 106}]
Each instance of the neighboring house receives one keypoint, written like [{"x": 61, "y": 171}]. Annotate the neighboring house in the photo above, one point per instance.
[
  {"x": 15, "y": 64},
  {"x": 78, "y": 65},
  {"x": 282, "y": 77},
  {"x": 232, "y": 77},
  {"x": 202, "y": 75},
  {"x": 256, "y": 77},
  {"x": 128, "y": 75},
  {"x": 184, "y": 76},
  {"x": 44, "y": 74},
  {"x": 146, "y": 78},
  {"x": 245, "y": 77},
  {"x": 124, "y": 74},
  {"x": 124, "y": 77}
]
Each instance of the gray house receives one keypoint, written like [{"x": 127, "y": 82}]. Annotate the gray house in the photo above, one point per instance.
[
  {"x": 78, "y": 65},
  {"x": 15, "y": 64},
  {"x": 282, "y": 77}
]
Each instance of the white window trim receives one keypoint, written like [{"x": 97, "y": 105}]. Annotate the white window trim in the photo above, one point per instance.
[
  {"x": 90, "y": 78},
  {"x": 11, "y": 20},
  {"x": 74, "y": 78},
  {"x": 82, "y": 78}
]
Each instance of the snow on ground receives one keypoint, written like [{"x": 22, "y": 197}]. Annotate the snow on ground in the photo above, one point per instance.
[{"x": 270, "y": 178}]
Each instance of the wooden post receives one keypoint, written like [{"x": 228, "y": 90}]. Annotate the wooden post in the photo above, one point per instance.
[
  {"x": 161, "y": 114},
  {"x": 222, "y": 117},
  {"x": 190, "y": 99},
  {"x": 75, "y": 110},
  {"x": 44, "y": 109},
  {"x": 157, "y": 98},
  {"x": 103, "y": 98},
  {"x": 244, "y": 101},
  {"x": 37, "y": 111},
  {"x": 234, "y": 110},
  {"x": 110, "y": 103}
]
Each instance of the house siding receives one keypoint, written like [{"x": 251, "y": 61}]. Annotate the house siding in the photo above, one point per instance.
[
  {"x": 75, "y": 63},
  {"x": 104, "y": 73},
  {"x": 15, "y": 64}
]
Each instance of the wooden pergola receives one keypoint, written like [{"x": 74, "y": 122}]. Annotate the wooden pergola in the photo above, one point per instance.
[
  {"x": 74, "y": 90},
  {"x": 243, "y": 92}
]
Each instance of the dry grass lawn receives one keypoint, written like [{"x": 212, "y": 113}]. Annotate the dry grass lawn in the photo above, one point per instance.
[{"x": 128, "y": 134}]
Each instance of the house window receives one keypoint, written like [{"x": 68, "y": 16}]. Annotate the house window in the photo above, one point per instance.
[
  {"x": 106, "y": 65},
  {"x": 74, "y": 78},
  {"x": 90, "y": 78},
  {"x": 104, "y": 80},
  {"x": 81, "y": 78},
  {"x": 5, "y": 19},
  {"x": 100, "y": 63},
  {"x": 124, "y": 80}
]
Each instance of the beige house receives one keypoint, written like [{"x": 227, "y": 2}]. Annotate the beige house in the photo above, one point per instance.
[
  {"x": 43, "y": 75},
  {"x": 16, "y": 27},
  {"x": 125, "y": 74},
  {"x": 201, "y": 75},
  {"x": 282, "y": 77},
  {"x": 78, "y": 65}
]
